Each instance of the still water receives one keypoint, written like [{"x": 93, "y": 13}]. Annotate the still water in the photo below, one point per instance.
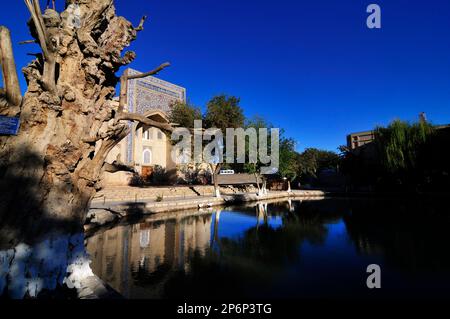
[{"x": 292, "y": 249}]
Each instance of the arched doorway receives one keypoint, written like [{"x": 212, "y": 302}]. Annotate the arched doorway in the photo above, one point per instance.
[{"x": 147, "y": 168}]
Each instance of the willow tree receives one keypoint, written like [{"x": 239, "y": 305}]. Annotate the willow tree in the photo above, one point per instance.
[
  {"x": 52, "y": 168},
  {"x": 400, "y": 144}
]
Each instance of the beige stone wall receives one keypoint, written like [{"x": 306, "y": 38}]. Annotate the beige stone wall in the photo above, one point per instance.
[
  {"x": 117, "y": 179},
  {"x": 121, "y": 193},
  {"x": 157, "y": 144}
]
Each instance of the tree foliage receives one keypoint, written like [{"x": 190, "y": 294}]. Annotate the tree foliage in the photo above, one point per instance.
[
  {"x": 184, "y": 114},
  {"x": 404, "y": 157},
  {"x": 224, "y": 112},
  {"x": 400, "y": 144},
  {"x": 288, "y": 159},
  {"x": 313, "y": 160},
  {"x": 257, "y": 122}
]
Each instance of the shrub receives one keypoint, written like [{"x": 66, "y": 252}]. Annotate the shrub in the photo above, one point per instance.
[{"x": 136, "y": 180}]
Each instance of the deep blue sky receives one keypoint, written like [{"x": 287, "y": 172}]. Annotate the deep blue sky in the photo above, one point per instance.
[{"x": 310, "y": 67}]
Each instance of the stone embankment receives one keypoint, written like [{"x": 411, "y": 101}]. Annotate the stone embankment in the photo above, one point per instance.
[
  {"x": 116, "y": 203},
  {"x": 139, "y": 194}
]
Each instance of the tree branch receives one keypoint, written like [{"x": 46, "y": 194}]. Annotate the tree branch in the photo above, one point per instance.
[
  {"x": 146, "y": 121},
  {"x": 153, "y": 72},
  {"x": 11, "y": 91},
  {"x": 106, "y": 146},
  {"x": 28, "y": 42},
  {"x": 111, "y": 132},
  {"x": 48, "y": 77},
  {"x": 140, "y": 27},
  {"x": 53, "y": 4},
  {"x": 124, "y": 84},
  {"x": 35, "y": 11},
  {"x": 117, "y": 166}
]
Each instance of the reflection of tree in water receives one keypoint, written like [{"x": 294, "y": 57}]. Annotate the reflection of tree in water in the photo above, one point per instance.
[
  {"x": 411, "y": 235},
  {"x": 245, "y": 266}
]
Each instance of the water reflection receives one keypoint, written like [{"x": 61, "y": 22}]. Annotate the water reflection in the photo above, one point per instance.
[
  {"x": 287, "y": 249},
  {"x": 131, "y": 258}
]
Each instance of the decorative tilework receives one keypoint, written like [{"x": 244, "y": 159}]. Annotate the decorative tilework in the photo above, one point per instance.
[{"x": 148, "y": 94}]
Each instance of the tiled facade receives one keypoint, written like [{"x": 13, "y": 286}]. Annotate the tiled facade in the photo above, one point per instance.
[
  {"x": 151, "y": 97},
  {"x": 146, "y": 95}
]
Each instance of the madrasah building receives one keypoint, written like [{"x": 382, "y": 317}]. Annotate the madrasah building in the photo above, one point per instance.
[{"x": 146, "y": 148}]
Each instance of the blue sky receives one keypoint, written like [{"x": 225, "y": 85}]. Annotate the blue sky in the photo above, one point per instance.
[{"x": 311, "y": 67}]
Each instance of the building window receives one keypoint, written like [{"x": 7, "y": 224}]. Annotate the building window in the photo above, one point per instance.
[
  {"x": 147, "y": 156},
  {"x": 144, "y": 239},
  {"x": 148, "y": 134},
  {"x": 160, "y": 135}
]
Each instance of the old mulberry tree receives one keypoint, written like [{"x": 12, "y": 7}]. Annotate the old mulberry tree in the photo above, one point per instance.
[{"x": 52, "y": 168}]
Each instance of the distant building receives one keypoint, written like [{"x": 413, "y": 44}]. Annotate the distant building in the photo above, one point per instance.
[{"x": 356, "y": 140}]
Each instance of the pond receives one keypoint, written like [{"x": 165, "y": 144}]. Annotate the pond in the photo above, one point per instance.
[{"x": 291, "y": 249}]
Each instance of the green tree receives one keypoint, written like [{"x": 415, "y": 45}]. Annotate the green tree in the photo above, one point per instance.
[
  {"x": 313, "y": 160},
  {"x": 402, "y": 157},
  {"x": 400, "y": 144},
  {"x": 257, "y": 122},
  {"x": 184, "y": 114},
  {"x": 288, "y": 159},
  {"x": 222, "y": 112}
]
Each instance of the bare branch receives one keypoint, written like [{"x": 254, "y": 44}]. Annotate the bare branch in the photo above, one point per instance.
[
  {"x": 153, "y": 72},
  {"x": 146, "y": 121},
  {"x": 106, "y": 146},
  {"x": 48, "y": 78},
  {"x": 53, "y": 4},
  {"x": 12, "y": 92},
  {"x": 124, "y": 84},
  {"x": 35, "y": 11},
  {"x": 113, "y": 130},
  {"x": 117, "y": 166},
  {"x": 140, "y": 27},
  {"x": 92, "y": 140},
  {"x": 123, "y": 92},
  {"x": 28, "y": 42}
]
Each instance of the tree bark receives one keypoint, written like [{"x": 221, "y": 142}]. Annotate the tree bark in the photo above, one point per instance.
[
  {"x": 215, "y": 170},
  {"x": 10, "y": 95},
  {"x": 52, "y": 169},
  {"x": 257, "y": 183}
]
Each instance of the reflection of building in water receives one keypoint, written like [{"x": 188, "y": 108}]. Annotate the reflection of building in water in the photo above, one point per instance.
[{"x": 131, "y": 258}]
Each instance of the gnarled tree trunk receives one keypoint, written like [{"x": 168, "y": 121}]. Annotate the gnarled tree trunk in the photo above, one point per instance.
[{"x": 52, "y": 169}]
